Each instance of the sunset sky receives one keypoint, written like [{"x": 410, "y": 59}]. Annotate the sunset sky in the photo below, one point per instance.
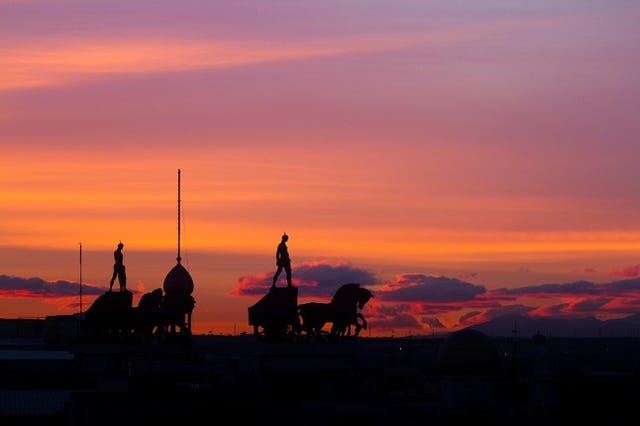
[{"x": 460, "y": 159}]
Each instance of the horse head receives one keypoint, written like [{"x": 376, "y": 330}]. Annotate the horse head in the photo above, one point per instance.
[
  {"x": 351, "y": 295},
  {"x": 151, "y": 300},
  {"x": 363, "y": 297}
]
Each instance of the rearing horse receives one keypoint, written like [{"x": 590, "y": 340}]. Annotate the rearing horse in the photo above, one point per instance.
[{"x": 342, "y": 312}]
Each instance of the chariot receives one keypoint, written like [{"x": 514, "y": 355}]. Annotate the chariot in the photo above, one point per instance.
[
  {"x": 275, "y": 316},
  {"x": 279, "y": 317}
]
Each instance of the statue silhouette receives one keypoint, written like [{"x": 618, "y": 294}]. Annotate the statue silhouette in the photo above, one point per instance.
[
  {"x": 119, "y": 269},
  {"x": 283, "y": 261}
]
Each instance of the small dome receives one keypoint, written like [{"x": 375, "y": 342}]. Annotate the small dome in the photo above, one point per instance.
[
  {"x": 178, "y": 280},
  {"x": 467, "y": 351},
  {"x": 538, "y": 339}
]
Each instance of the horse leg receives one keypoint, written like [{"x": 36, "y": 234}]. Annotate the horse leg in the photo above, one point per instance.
[{"x": 360, "y": 326}]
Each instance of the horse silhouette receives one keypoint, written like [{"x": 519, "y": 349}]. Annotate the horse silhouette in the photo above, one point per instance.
[
  {"x": 342, "y": 312},
  {"x": 148, "y": 314}
]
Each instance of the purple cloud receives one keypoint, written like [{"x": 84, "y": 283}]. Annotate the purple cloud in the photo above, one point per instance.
[
  {"x": 575, "y": 289},
  {"x": 37, "y": 287},
  {"x": 425, "y": 288},
  {"x": 313, "y": 279}
]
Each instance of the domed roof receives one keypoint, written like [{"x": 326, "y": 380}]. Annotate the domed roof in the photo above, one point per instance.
[
  {"x": 178, "y": 280},
  {"x": 538, "y": 339},
  {"x": 467, "y": 352}
]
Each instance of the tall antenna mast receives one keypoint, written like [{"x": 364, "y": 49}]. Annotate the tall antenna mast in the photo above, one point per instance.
[
  {"x": 178, "y": 258},
  {"x": 80, "y": 277}
]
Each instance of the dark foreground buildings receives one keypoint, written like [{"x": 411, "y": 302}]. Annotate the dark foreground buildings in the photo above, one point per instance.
[{"x": 465, "y": 377}]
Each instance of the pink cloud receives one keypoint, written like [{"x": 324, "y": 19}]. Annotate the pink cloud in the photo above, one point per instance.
[{"x": 627, "y": 272}]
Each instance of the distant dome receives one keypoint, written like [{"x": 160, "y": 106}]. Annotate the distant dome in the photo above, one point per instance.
[
  {"x": 538, "y": 339},
  {"x": 467, "y": 352},
  {"x": 178, "y": 280}
]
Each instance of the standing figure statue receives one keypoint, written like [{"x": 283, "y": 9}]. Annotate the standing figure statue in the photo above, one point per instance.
[
  {"x": 283, "y": 261},
  {"x": 118, "y": 269}
]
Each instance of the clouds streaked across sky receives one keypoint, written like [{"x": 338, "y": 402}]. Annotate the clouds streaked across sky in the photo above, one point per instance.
[{"x": 463, "y": 159}]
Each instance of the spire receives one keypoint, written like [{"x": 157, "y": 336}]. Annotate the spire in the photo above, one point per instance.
[
  {"x": 178, "y": 258},
  {"x": 178, "y": 280}
]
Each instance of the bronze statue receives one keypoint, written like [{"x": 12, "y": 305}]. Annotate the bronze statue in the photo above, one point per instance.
[
  {"x": 119, "y": 269},
  {"x": 283, "y": 261}
]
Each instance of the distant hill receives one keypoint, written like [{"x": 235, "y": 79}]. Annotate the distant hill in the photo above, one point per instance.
[{"x": 526, "y": 327}]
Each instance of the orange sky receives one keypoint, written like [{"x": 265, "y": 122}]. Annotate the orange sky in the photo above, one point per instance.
[{"x": 484, "y": 147}]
